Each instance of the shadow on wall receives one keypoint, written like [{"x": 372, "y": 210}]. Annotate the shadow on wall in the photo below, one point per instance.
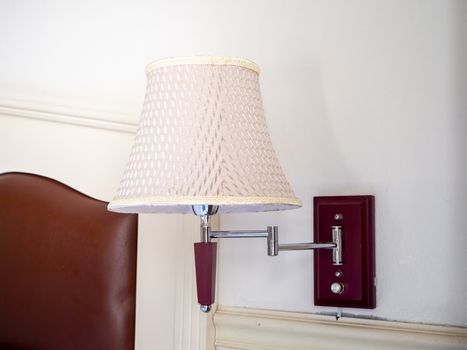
[{"x": 459, "y": 144}]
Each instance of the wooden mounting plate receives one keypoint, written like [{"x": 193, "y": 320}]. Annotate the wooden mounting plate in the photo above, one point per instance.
[{"x": 358, "y": 251}]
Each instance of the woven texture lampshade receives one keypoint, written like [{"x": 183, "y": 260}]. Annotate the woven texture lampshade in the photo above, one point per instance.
[{"x": 202, "y": 139}]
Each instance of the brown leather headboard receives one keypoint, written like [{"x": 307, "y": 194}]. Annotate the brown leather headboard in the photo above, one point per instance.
[{"x": 67, "y": 268}]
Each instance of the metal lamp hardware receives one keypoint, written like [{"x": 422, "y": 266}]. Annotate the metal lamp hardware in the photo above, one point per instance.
[
  {"x": 337, "y": 288},
  {"x": 273, "y": 246},
  {"x": 271, "y": 234}
]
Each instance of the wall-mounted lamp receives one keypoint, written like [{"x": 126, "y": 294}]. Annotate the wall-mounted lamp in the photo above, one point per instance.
[{"x": 203, "y": 147}]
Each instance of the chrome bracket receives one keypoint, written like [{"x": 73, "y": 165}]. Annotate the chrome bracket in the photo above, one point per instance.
[
  {"x": 336, "y": 245},
  {"x": 273, "y": 246}
]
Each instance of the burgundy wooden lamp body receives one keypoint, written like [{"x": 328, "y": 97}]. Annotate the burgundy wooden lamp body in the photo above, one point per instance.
[{"x": 205, "y": 263}]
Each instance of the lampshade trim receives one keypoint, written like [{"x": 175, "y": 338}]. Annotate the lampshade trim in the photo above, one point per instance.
[
  {"x": 215, "y": 60},
  {"x": 222, "y": 200}
]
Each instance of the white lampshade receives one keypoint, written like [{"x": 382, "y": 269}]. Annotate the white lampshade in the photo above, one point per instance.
[{"x": 203, "y": 139}]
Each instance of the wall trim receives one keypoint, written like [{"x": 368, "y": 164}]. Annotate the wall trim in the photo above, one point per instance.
[
  {"x": 248, "y": 329},
  {"x": 65, "y": 115}
]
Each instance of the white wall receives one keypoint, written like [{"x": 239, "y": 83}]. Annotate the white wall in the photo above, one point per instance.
[
  {"x": 361, "y": 97},
  {"x": 367, "y": 98}
]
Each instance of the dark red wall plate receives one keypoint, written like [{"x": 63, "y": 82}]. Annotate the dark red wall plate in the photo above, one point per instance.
[{"x": 356, "y": 275}]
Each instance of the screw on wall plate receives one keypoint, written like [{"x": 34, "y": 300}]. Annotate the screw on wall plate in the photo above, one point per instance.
[{"x": 338, "y": 217}]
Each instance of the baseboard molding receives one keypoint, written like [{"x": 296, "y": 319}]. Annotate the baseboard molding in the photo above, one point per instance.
[
  {"x": 252, "y": 329},
  {"x": 65, "y": 115}
]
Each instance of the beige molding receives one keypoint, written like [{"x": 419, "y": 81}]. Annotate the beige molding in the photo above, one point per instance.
[
  {"x": 248, "y": 329},
  {"x": 66, "y": 115}
]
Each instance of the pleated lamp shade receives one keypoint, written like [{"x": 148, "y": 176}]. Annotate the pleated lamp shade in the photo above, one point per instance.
[{"x": 202, "y": 140}]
